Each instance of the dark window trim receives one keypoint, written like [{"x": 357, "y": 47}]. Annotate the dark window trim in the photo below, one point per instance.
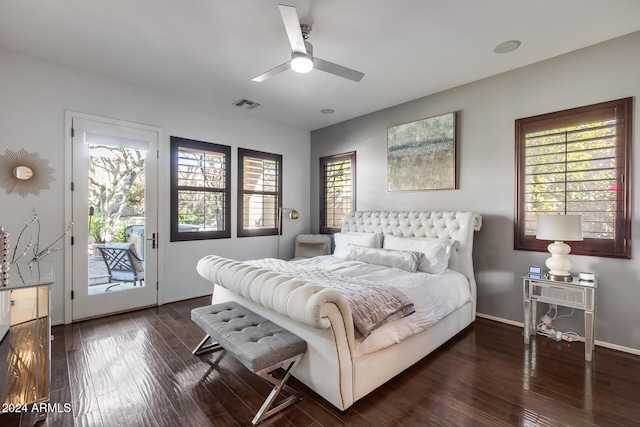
[
  {"x": 175, "y": 235},
  {"x": 620, "y": 246},
  {"x": 351, "y": 155},
  {"x": 242, "y": 153}
]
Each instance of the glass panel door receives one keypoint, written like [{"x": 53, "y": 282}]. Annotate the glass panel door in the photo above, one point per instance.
[{"x": 115, "y": 218}]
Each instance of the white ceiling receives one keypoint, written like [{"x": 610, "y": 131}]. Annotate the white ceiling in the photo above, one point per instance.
[{"x": 207, "y": 51}]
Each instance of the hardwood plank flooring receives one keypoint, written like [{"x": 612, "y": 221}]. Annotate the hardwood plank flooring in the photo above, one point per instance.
[{"x": 136, "y": 369}]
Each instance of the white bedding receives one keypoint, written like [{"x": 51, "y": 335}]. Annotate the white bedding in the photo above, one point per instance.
[
  {"x": 317, "y": 314},
  {"x": 434, "y": 297}
]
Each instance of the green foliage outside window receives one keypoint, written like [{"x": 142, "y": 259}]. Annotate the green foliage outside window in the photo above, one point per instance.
[{"x": 573, "y": 170}]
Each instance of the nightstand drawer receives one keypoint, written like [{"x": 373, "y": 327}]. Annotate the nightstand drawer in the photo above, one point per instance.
[
  {"x": 559, "y": 295},
  {"x": 562, "y": 294}
]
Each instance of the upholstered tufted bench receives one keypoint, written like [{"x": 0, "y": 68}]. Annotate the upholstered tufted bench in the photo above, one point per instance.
[{"x": 261, "y": 346}]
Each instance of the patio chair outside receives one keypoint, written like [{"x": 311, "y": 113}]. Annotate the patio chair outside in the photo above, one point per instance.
[{"x": 122, "y": 263}]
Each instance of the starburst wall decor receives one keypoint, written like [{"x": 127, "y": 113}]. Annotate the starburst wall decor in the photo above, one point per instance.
[{"x": 24, "y": 173}]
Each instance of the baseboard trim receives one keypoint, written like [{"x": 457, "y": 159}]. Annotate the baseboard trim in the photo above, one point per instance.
[
  {"x": 500, "y": 319},
  {"x": 616, "y": 347},
  {"x": 186, "y": 297}
]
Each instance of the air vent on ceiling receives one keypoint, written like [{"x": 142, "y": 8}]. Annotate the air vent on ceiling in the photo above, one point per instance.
[{"x": 249, "y": 105}]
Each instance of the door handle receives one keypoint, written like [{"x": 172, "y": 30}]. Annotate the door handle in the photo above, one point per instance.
[{"x": 153, "y": 240}]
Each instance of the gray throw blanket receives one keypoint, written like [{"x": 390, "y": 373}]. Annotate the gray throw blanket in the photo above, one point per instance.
[{"x": 372, "y": 304}]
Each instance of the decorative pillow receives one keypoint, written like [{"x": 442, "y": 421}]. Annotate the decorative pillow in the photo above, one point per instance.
[
  {"x": 342, "y": 240},
  {"x": 405, "y": 260},
  {"x": 436, "y": 251}
]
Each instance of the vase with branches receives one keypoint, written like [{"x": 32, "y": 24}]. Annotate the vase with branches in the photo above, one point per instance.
[{"x": 33, "y": 251}]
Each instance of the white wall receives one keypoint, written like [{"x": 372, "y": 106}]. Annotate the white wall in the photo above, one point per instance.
[
  {"x": 488, "y": 109},
  {"x": 34, "y": 95}
]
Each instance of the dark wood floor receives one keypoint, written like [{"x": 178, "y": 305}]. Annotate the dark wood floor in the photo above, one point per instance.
[{"x": 137, "y": 369}]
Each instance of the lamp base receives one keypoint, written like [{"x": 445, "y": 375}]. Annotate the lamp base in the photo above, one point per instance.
[
  {"x": 559, "y": 278},
  {"x": 558, "y": 264}
]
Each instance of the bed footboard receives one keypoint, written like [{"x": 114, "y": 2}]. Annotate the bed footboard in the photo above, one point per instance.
[{"x": 295, "y": 298}]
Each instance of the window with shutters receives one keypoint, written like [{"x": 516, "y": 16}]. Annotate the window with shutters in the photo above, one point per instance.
[
  {"x": 338, "y": 190},
  {"x": 577, "y": 161},
  {"x": 259, "y": 192},
  {"x": 200, "y": 190}
]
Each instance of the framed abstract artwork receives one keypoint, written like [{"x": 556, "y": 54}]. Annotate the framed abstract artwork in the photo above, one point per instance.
[{"x": 421, "y": 155}]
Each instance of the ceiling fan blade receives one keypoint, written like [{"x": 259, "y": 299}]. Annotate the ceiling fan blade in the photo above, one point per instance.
[
  {"x": 272, "y": 72},
  {"x": 338, "y": 70},
  {"x": 292, "y": 27}
]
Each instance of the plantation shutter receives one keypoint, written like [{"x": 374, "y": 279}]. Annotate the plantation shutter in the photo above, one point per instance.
[
  {"x": 260, "y": 181},
  {"x": 200, "y": 190},
  {"x": 575, "y": 162},
  {"x": 337, "y": 190}
]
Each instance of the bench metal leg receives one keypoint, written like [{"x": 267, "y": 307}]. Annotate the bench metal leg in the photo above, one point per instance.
[
  {"x": 202, "y": 348},
  {"x": 279, "y": 385}
]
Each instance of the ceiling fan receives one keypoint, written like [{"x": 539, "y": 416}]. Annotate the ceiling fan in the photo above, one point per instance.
[{"x": 302, "y": 59}]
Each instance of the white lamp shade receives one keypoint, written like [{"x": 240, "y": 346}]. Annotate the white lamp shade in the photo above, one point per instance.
[{"x": 559, "y": 227}]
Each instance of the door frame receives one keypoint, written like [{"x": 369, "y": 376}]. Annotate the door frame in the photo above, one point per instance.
[{"x": 68, "y": 200}]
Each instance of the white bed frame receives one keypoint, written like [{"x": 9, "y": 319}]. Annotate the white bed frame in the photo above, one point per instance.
[{"x": 329, "y": 367}]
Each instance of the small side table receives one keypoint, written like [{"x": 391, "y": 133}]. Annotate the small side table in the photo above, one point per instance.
[{"x": 567, "y": 294}]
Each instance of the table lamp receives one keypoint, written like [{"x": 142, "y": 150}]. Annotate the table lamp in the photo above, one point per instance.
[{"x": 559, "y": 228}]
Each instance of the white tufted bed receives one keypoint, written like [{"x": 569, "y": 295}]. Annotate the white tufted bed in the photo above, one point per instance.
[{"x": 337, "y": 365}]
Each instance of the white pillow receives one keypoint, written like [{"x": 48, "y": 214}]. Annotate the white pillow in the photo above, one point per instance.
[
  {"x": 405, "y": 260},
  {"x": 342, "y": 240},
  {"x": 436, "y": 251}
]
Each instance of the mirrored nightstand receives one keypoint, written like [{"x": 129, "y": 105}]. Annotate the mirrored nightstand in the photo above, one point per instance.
[{"x": 572, "y": 294}]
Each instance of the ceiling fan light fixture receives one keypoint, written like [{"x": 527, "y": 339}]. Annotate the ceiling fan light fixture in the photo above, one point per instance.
[
  {"x": 301, "y": 63},
  {"x": 302, "y": 58}
]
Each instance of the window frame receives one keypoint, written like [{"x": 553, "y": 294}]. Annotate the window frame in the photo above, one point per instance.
[
  {"x": 251, "y": 232},
  {"x": 323, "y": 192},
  {"x": 175, "y": 144},
  {"x": 620, "y": 245}
]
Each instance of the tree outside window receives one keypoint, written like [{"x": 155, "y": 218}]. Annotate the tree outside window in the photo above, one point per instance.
[{"x": 116, "y": 191}]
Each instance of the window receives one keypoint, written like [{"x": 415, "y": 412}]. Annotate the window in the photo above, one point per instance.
[
  {"x": 577, "y": 161},
  {"x": 259, "y": 184},
  {"x": 338, "y": 190},
  {"x": 200, "y": 190}
]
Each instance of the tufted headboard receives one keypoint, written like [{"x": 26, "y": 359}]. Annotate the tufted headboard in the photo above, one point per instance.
[{"x": 458, "y": 226}]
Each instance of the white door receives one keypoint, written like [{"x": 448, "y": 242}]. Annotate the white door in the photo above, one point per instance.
[{"x": 114, "y": 207}]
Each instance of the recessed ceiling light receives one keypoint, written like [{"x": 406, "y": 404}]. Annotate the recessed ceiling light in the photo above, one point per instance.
[
  {"x": 327, "y": 111},
  {"x": 507, "y": 46}
]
